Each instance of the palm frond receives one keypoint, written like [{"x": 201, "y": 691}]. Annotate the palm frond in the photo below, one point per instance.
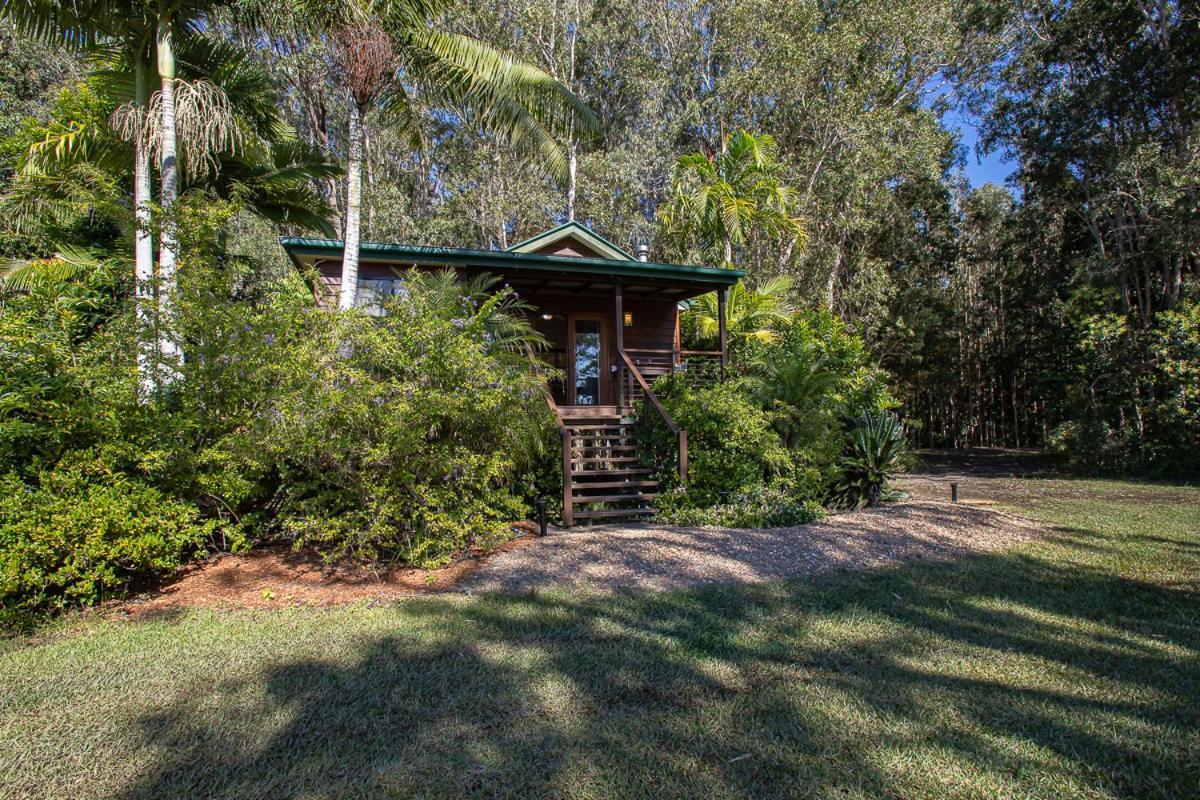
[
  {"x": 246, "y": 83},
  {"x": 67, "y": 264},
  {"x": 275, "y": 181},
  {"x": 518, "y": 101}
]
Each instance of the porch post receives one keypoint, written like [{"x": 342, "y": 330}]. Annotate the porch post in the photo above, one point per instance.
[
  {"x": 620, "y": 335},
  {"x": 724, "y": 334}
]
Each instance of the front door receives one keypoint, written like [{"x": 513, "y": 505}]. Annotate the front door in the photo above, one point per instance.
[{"x": 588, "y": 354}]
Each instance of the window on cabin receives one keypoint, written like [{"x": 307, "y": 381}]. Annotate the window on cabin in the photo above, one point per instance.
[{"x": 372, "y": 292}]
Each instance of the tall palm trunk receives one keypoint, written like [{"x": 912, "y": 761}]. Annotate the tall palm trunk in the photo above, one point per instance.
[
  {"x": 349, "y": 288},
  {"x": 168, "y": 248},
  {"x": 143, "y": 236},
  {"x": 572, "y": 177}
]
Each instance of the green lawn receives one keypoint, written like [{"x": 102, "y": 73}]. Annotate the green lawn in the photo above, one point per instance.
[{"x": 1067, "y": 668}]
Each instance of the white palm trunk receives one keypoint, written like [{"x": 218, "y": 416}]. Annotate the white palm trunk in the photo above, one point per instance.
[
  {"x": 143, "y": 250},
  {"x": 349, "y": 287},
  {"x": 168, "y": 247},
  {"x": 572, "y": 178}
]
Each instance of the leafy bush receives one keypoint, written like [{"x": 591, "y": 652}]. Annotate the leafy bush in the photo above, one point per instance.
[
  {"x": 762, "y": 507},
  {"x": 48, "y": 402},
  {"x": 811, "y": 378},
  {"x": 875, "y": 451},
  {"x": 77, "y": 538},
  {"x": 403, "y": 436},
  {"x": 731, "y": 445}
]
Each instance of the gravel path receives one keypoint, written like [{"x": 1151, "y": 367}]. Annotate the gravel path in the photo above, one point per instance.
[{"x": 614, "y": 558}]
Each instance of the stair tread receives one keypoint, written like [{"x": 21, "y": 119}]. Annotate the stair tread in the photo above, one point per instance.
[
  {"x": 617, "y": 484},
  {"x": 622, "y": 447},
  {"x": 611, "y": 498},
  {"x": 599, "y": 434},
  {"x": 605, "y": 460},
  {"x": 584, "y": 430},
  {"x": 614, "y": 512},
  {"x": 612, "y": 472}
]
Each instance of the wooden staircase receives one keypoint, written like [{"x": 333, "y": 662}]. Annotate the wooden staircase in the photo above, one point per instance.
[{"x": 603, "y": 478}]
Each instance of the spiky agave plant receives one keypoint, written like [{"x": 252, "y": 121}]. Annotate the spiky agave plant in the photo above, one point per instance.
[{"x": 875, "y": 451}]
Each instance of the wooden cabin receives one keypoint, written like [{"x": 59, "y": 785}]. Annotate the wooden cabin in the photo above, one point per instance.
[{"x": 612, "y": 320}]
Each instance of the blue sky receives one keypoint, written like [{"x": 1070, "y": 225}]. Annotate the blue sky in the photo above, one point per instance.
[{"x": 992, "y": 168}]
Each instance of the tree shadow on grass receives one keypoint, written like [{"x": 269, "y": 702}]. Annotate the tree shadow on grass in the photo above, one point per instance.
[{"x": 1029, "y": 676}]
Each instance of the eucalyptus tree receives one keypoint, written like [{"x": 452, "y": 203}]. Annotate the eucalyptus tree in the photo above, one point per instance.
[{"x": 720, "y": 199}]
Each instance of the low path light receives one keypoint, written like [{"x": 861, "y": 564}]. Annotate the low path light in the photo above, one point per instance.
[{"x": 540, "y": 505}]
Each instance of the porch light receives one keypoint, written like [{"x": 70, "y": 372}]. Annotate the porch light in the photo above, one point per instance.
[
  {"x": 547, "y": 315},
  {"x": 628, "y": 320}
]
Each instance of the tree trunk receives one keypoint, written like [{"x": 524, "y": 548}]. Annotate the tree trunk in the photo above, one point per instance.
[
  {"x": 168, "y": 248},
  {"x": 573, "y": 162},
  {"x": 349, "y": 287},
  {"x": 572, "y": 172},
  {"x": 143, "y": 251},
  {"x": 831, "y": 281}
]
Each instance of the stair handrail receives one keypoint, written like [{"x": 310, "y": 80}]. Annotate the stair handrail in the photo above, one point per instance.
[{"x": 672, "y": 425}]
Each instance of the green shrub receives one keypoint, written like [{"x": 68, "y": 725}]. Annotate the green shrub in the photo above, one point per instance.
[
  {"x": 78, "y": 538},
  {"x": 763, "y": 507},
  {"x": 404, "y": 436},
  {"x": 810, "y": 379},
  {"x": 875, "y": 451},
  {"x": 407, "y": 437},
  {"x": 731, "y": 444}
]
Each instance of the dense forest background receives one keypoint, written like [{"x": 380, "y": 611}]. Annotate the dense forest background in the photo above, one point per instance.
[{"x": 1059, "y": 309}]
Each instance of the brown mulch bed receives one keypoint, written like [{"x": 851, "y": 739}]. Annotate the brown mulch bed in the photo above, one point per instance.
[{"x": 277, "y": 577}]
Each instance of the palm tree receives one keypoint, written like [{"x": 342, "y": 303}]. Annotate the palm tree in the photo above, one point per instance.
[
  {"x": 245, "y": 151},
  {"x": 752, "y": 311},
  {"x": 719, "y": 199},
  {"x": 799, "y": 386},
  {"x": 385, "y": 49},
  {"x": 81, "y": 25},
  {"x": 137, "y": 31}
]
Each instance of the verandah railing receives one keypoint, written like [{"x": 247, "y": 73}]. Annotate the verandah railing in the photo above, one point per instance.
[
  {"x": 701, "y": 367},
  {"x": 694, "y": 367}
]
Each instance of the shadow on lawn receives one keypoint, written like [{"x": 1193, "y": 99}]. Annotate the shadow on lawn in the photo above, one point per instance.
[{"x": 732, "y": 692}]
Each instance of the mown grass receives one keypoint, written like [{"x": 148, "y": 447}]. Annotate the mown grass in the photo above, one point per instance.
[{"x": 1067, "y": 668}]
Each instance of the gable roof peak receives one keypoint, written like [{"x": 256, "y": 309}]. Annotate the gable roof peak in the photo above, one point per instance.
[{"x": 581, "y": 233}]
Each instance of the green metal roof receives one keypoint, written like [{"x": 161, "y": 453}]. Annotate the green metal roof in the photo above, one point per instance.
[
  {"x": 300, "y": 248},
  {"x": 573, "y": 230}
]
